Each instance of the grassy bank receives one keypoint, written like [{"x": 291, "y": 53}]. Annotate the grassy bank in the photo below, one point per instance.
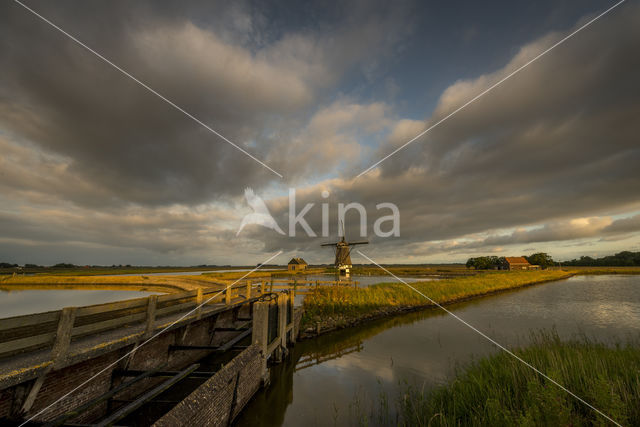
[
  {"x": 501, "y": 391},
  {"x": 605, "y": 270},
  {"x": 337, "y": 306}
]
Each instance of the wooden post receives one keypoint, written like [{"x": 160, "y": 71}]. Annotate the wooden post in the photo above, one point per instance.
[
  {"x": 248, "y": 289},
  {"x": 263, "y": 287},
  {"x": 316, "y": 286},
  {"x": 271, "y": 286},
  {"x": 227, "y": 295},
  {"x": 63, "y": 335},
  {"x": 152, "y": 302},
  {"x": 58, "y": 353},
  {"x": 260, "y": 334},
  {"x": 291, "y": 302},
  {"x": 282, "y": 326},
  {"x": 199, "y": 301}
]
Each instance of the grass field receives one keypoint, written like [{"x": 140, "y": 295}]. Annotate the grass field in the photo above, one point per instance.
[
  {"x": 341, "y": 305},
  {"x": 604, "y": 270},
  {"x": 97, "y": 271},
  {"x": 501, "y": 391}
]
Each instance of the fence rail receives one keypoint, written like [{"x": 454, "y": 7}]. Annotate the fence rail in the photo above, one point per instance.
[
  {"x": 57, "y": 329},
  {"x": 31, "y": 332}
]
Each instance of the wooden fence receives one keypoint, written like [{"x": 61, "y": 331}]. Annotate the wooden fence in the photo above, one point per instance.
[{"x": 57, "y": 329}]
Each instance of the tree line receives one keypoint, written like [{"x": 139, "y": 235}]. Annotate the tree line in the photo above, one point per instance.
[
  {"x": 621, "y": 259},
  {"x": 542, "y": 259}
]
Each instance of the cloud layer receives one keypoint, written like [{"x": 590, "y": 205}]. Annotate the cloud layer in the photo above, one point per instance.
[{"x": 91, "y": 158}]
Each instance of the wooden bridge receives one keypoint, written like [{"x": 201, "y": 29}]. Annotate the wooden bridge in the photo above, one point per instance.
[{"x": 140, "y": 348}]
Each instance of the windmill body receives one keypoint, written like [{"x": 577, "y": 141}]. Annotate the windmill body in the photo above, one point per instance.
[{"x": 343, "y": 255}]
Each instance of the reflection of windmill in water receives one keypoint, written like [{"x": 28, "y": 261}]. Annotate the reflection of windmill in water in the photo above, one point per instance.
[{"x": 343, "y": 254}]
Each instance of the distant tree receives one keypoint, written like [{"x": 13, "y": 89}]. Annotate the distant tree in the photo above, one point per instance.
[
  {"x": 485, "y": 262},
  {"x": 31, "y": 266},
  {"x": 64, "y": 265},
  {"x": 542, "y": 259},
  {"x": 7, "y": 265},
  {"x": 621, "y": 259}
]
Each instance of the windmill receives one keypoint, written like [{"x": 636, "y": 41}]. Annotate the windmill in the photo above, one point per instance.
[{"x": 343, "y": 253}]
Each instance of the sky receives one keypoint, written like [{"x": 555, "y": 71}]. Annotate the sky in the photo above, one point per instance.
[{"x": 95, "y": 168}]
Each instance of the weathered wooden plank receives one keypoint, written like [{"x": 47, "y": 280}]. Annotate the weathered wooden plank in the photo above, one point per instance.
[
  {"x": 93, "y": 328},
  {"x": 175, "y": 308},
  {"x": 15, "y": 346},
  {"x": 29, "y": 319},
  {"x": 172, "y": 297},
  {"x": 150, "y": 315},
  {"x": 228, "y": 294},
  {"x": 199, "y": 301},
  {"x": 110, "y": 306},
  {"x": 63, "y": 335}
]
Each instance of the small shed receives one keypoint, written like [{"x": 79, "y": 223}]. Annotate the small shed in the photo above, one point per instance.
[
  {"x": 519, "y": 263},
  {"x": 297, "y": 264}
]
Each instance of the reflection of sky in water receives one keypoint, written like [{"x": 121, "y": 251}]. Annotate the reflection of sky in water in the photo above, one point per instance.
[
  {"x": 426, "y": 352},
  {"x": 15, "y": 303}
]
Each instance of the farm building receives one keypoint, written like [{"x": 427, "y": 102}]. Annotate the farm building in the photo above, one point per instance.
[
  {"x": 520, "y": 263},
  {"x": 297, "y": 264}
]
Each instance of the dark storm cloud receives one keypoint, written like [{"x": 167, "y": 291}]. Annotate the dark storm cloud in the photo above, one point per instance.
[
  {"x": 223, "y": 64},
  {"x": 558, "y": 141},
  {"x": 91, "y": 158}
]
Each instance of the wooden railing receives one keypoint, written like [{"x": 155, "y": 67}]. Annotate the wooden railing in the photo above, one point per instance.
[{"x": 57, "y": 329}]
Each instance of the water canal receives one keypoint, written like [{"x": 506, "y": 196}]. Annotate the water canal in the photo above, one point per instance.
[
  {"x": 328, "y": 380},
  {"x": 19, "y": 302}
]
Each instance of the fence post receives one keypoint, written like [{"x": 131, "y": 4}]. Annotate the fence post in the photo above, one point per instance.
[
  {"x": 263, "y": 287},
  {"x": 282, "y": 326},
  {"x": 63, "y": 335},
  {"x": 260, "y": 334},
  {"x": 199, "y": 301},
  {"x": 227, "y": 295},
  {"x": 248, "y": 289},
  {"x": 152, "y": 302},
  {"x": 271, "y": 285},
  {"x": 291, "y": 303}
]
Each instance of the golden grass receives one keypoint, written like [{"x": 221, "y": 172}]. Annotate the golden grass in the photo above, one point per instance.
[
  {"x": 351, "y": 303},
  {"x": 604, "y": 270}
]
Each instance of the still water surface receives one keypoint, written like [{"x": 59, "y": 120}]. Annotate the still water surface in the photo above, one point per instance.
[
  {"x": 319, "y": 383},
  {"x": 19, "y": 302}
]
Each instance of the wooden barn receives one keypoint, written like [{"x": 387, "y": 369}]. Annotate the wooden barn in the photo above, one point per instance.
[
  {"x": 520, "y": 263},
  {"x": 297, "y": 264}
]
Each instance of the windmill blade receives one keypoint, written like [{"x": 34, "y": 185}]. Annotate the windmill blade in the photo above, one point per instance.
[
  {"x": 329, "y": 244},
  {"x": 364, "y": 242}
]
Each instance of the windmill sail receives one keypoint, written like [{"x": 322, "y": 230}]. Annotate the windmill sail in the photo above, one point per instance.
[{"x": 343, "y": 253}]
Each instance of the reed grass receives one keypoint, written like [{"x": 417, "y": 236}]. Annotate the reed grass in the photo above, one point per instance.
[
  {"x": 348, "y": 303},
  {"x": 501, "y": 391}
]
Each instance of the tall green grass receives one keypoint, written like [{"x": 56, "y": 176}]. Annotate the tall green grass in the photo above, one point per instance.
[
  {"x": 501, "y": 391},
  {"x": 344, "y": 303}
]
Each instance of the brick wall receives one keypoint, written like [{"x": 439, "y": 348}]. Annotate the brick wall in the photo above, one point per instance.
[
  {"x": 222, "y": 397},
  {"x": 58, "y": 383}
]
